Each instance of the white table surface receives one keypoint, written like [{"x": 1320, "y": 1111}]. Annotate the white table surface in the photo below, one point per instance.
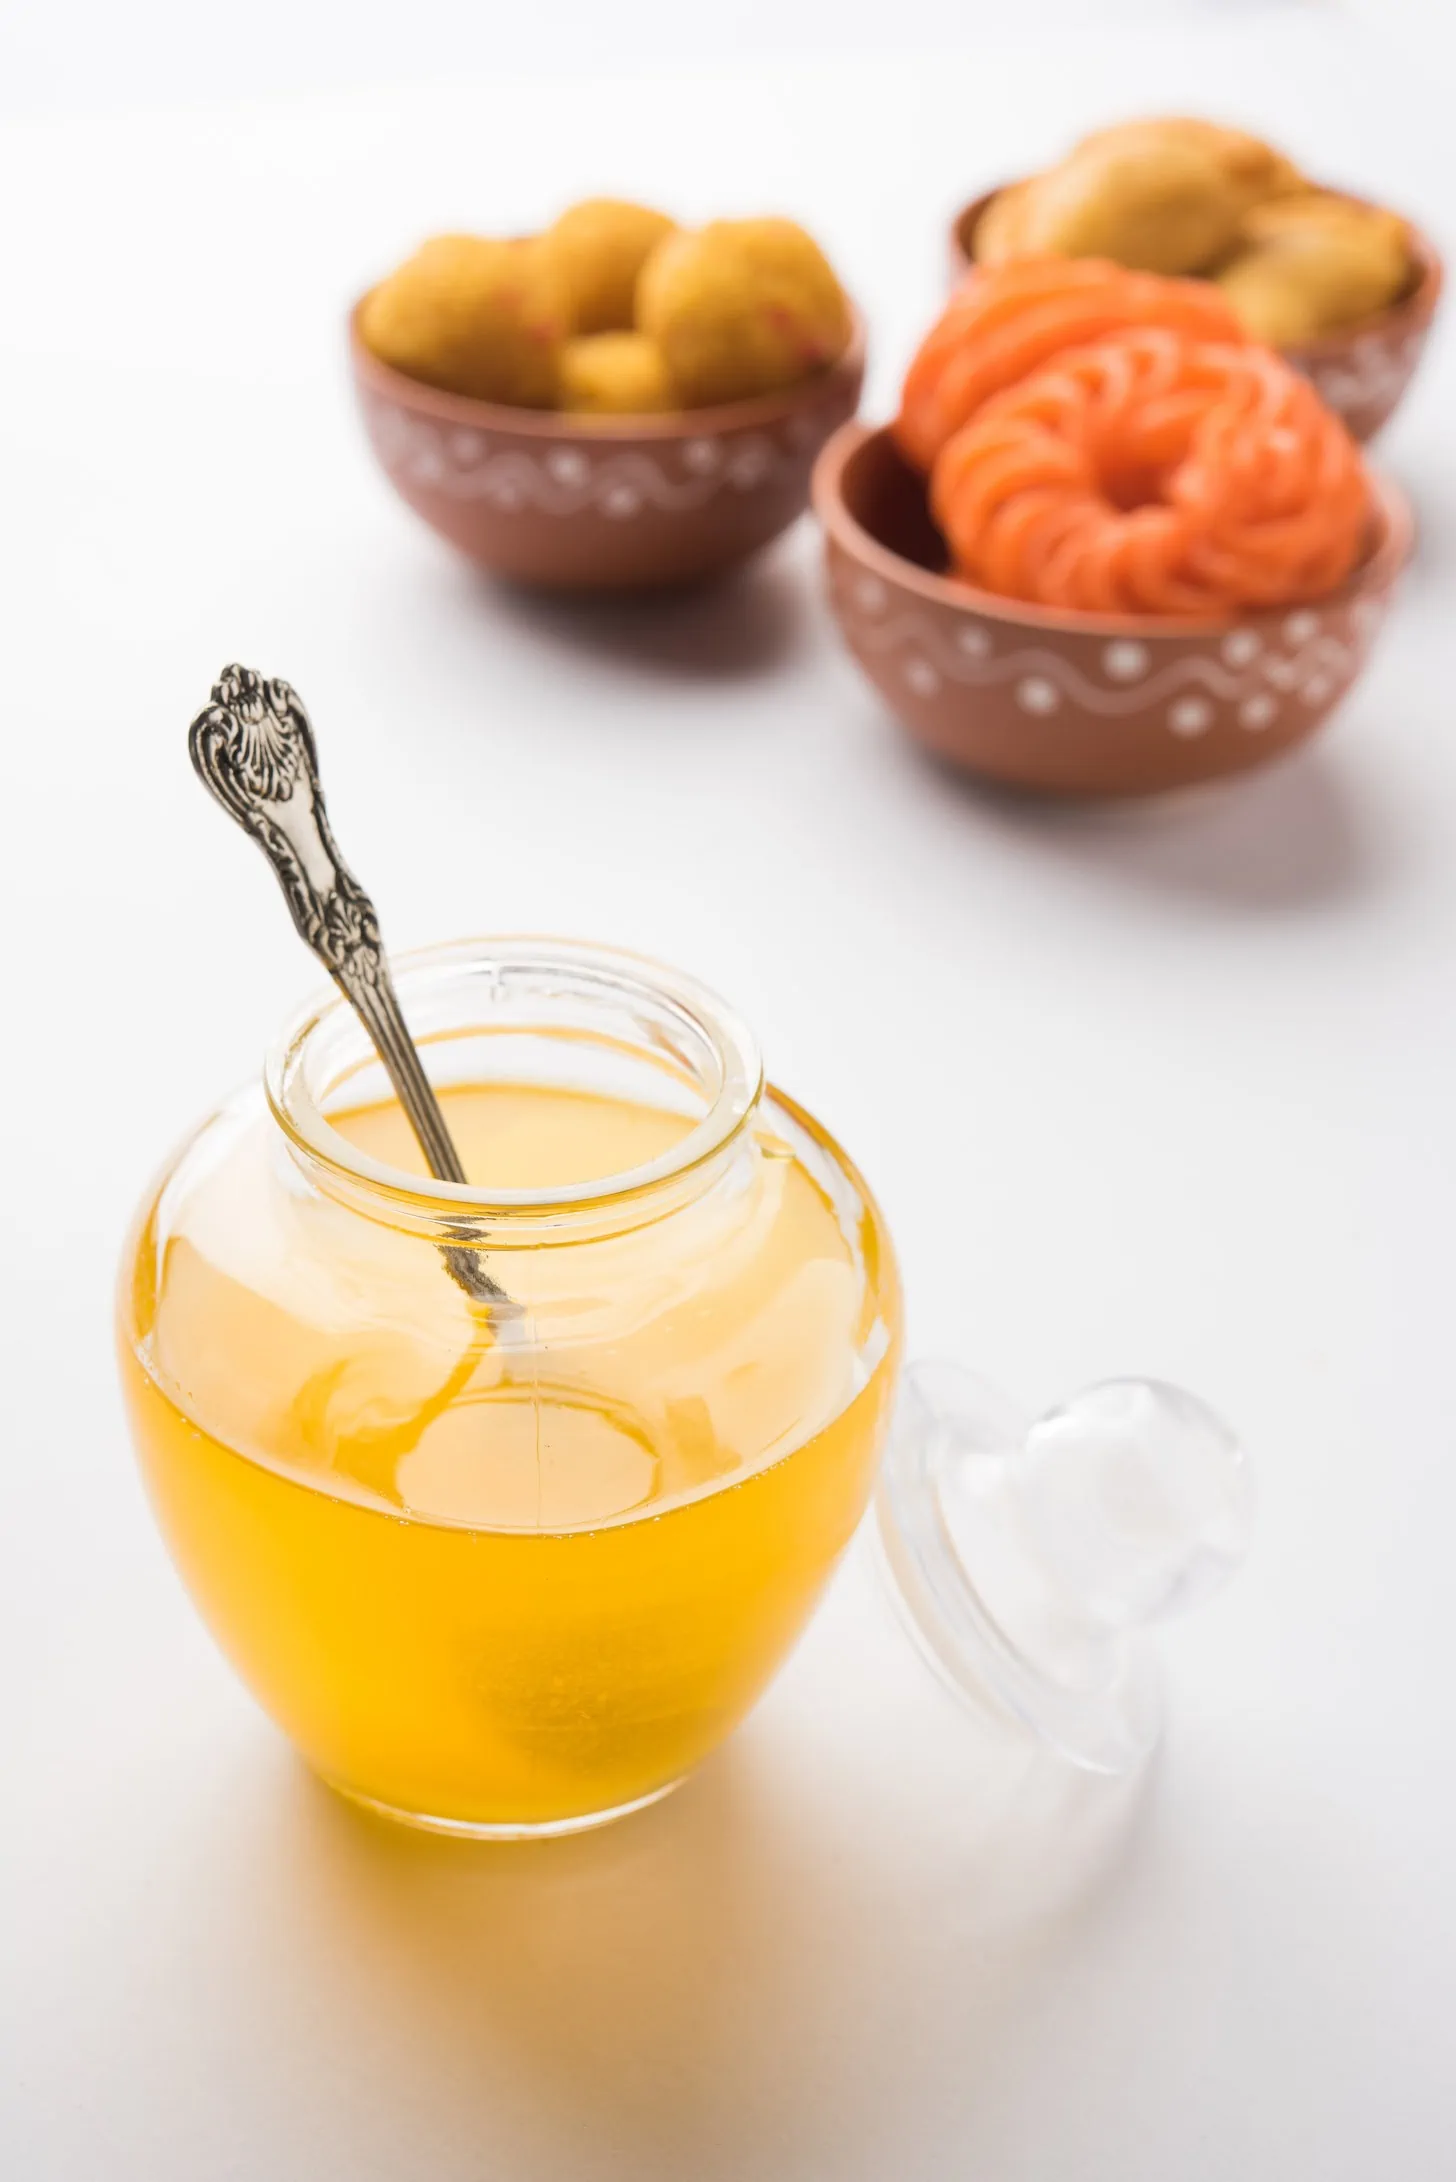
[{"x": 1168, "y": 1090}]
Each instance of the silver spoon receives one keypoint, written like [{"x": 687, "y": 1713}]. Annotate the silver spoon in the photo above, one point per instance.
[{"x": 253, "y": 749}]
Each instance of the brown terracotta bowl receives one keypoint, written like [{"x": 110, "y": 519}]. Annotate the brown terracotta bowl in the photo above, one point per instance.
[
  {"x": 1362, "y": 371},
  {"x": 1077, "y": 704},
  {"x": 603, "y": 503}
]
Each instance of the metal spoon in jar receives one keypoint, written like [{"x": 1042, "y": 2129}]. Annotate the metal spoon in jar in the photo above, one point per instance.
[{"x": 253, "y": 749}]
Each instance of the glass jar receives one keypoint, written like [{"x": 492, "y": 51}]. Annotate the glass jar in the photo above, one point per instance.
[{"x": 511, "y": 1569}]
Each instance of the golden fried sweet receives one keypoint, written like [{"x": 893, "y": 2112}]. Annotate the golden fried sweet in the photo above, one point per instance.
[
  {"x": 599, "y": 247},
  {"x": 1252, "y": 167},
  {"x": 615, "y": 375},
  {"x": 1314, "y": 263},
  {"x": 1142, "y": 193},
  {"x": 1158, "y": 204},
  {"x": 1001, "y": 230},
  {"x": 473, "y": 316},
  {"x": 741, "y": 307}
]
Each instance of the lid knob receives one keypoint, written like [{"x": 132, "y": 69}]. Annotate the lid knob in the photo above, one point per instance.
[
  {"x": 1136, "y": 1498},
  {"x": 1030, "y": 1555}
]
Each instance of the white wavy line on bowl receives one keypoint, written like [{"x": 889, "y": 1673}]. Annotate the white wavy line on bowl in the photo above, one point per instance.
[
  {"x": 1285, "y": 671},
  {"x": 567, "y": 480}
]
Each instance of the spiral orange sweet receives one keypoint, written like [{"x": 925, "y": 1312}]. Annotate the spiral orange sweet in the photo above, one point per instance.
[
  {"x": 1151, "y": 473},
  {"x": 1009, "y": 319}
]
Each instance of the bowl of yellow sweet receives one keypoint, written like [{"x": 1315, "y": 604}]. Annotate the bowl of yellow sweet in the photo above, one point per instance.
[
  {"x": 1345, "y": 289},
  {"x": 613, "y": 404}
]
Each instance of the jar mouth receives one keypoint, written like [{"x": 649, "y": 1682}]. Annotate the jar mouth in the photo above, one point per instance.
[{"x": 652, "y": 1023}]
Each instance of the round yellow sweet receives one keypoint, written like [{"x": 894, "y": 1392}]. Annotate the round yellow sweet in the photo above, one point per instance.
[
  {"x": 742, "y": 307},
  {"x": 599, "y": 247},
  {"x": 615, "y": 375},
  {"x": 475, "y": 317}
]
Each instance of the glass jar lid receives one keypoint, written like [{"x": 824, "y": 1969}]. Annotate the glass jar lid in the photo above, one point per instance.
[{"x": 1032, "y": 1557}]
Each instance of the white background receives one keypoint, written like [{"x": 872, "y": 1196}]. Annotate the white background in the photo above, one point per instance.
[{"x": 1166, "y": 1090}]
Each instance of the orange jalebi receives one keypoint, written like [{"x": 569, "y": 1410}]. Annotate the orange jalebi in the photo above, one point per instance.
[
  {"x": 1153, "y": 473},
  {"x": 1007, "y": 320}
]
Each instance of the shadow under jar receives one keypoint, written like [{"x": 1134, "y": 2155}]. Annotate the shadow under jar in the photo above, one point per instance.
[{"x": 518, "y": 1575}]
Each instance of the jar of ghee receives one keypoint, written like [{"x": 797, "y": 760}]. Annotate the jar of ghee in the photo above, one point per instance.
[{"x": 511, "y": 1570}]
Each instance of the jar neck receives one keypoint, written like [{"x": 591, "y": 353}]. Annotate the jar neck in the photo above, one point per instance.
[{"x": 537, "y": 1014}]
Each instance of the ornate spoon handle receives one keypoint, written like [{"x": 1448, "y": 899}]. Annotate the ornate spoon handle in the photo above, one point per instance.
[{"x": 253, "y": 748}]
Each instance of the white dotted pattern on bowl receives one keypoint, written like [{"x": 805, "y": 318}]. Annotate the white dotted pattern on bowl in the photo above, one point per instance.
[{"x": 1374, "y": 374}]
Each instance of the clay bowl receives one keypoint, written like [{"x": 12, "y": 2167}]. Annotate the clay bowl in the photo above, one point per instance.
[
  {"x": 1077, "y": 704},
  {"x": 602, "y": 503},
  {"x": 1362, "y": 371}
]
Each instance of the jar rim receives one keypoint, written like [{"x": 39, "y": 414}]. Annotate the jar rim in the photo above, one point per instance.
[{"x": 494, "y": 960}]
